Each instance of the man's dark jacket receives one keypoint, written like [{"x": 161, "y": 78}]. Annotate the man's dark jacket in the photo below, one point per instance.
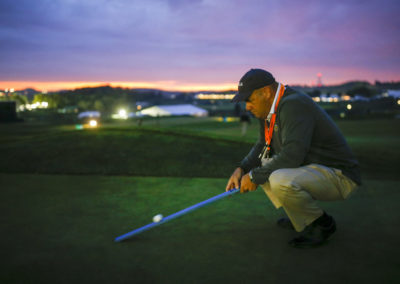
[{"x": 303, "y": 134}]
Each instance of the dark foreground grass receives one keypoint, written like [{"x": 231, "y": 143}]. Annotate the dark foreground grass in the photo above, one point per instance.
[{"x": 59, "y": 229}]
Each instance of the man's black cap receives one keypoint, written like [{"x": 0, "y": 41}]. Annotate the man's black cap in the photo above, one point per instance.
[{"x": 252, "y": 80}]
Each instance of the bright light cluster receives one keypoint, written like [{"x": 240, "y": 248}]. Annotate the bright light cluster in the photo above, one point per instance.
[
  {"x": 122, "y": 114},
  {"x": 34, "y": 106},
  {"x": 333, "y": 99},
  {"x": 215, "y": 96}
]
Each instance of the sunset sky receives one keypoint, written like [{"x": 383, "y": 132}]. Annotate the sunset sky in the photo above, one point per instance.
[{"x": 197, "y": 44}]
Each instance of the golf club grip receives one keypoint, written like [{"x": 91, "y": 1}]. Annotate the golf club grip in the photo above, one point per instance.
[{"x": 176, "y": 215}]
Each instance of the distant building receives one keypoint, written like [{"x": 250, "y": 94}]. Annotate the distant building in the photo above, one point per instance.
[
  {"x": 334, "y": 98},
  {"x": 213, "y": 96},
  {"x": 172, "y": 110}
]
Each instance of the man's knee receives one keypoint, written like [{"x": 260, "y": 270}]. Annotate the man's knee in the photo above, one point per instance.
[
  {"x": 282, "y": 180},
  {"x": 285, "y": 185}
]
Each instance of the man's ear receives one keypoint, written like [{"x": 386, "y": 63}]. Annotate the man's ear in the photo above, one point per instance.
[{"x": 267, "y": 92}]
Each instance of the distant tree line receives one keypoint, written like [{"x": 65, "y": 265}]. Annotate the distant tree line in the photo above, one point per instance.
[
  {"x": 18, "y": 98},
  {"x": 107, "y": 99},
  {"x": 353, "y": 88}
]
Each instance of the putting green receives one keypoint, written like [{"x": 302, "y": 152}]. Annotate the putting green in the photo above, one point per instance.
[{"x": 60, "y": 229}]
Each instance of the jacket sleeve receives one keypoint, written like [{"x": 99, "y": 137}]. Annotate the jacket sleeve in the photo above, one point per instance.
[
  {"x": 297, "y": 126},
  {"x": 251, "y": 160}
]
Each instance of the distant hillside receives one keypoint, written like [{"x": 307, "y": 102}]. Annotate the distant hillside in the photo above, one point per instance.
[
  {"x": 155, "y": 95},
  {"x": 352, "y": 88}
]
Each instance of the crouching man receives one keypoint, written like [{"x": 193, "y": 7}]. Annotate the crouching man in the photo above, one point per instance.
[{"x": 300, "y": 157}]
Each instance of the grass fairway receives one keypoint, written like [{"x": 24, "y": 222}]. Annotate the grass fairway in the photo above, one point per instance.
[
  {"x": 59, "y": 229},
  {"x": 65, "y": 194},
  {"x": 374, "y": 142},
  {"x": 116, "y": 151},
  {"x": 179, "y": 147}
]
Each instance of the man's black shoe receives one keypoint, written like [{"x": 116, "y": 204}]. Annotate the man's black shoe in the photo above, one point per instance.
[
  {"x": 314, "y": 235},
  {"x": 285, "y": 223}
]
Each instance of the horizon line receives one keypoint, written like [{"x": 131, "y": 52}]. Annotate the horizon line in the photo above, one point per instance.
[{"x": 172, "y": 86}]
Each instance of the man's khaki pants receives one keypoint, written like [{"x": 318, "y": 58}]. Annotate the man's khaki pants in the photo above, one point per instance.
[{"x": 297, "y": 191}]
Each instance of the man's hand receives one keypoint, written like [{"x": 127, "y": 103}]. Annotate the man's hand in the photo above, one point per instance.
[
  {"x": 246, "y": 184},
  {"x": 234, "y": 181}
]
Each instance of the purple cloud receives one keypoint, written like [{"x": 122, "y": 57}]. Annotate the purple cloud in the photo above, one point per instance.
[{"x": 206, "y": 41}]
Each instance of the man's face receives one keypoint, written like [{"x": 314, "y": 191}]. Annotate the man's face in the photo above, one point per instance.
[{"x": 259, "y": 103}]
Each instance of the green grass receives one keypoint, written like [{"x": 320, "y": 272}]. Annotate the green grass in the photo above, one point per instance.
[
  {"x": 118, "y": 151},
  {"x": 180, "y": 147},
  {"x": 66, "y": 194},
  {"x": 374, "y": 142},
  {"x": 60, "y": 229}
]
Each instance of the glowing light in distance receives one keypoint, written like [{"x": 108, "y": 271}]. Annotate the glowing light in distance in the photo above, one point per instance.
[
  {"x": 35, "y": 106},
  {"x": 93, "y": 123},
  {"x": 227, "y": 119},
  {"x": 346, "y": 98},
  {"x": 122, "y": 113},
  {"x": 349, "y": 106},
  {"x": 215, "y": 96},
  {"x": 398, "y": 101}
]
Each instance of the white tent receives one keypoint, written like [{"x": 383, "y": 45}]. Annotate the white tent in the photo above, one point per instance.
[
  {"x": 168, "y": 110},
  {"x": 394, "y": 93}
]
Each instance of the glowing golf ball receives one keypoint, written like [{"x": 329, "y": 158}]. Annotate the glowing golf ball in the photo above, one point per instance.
[{"x": 157, "y": 218}]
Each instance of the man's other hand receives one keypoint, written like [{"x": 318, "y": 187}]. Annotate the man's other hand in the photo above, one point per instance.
[
  {"x": 234, "y": 181},
  {"x": 246, "y": 184}
]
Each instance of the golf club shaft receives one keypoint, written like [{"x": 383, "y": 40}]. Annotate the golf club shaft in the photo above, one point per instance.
[{"x": 176, "y": 215}]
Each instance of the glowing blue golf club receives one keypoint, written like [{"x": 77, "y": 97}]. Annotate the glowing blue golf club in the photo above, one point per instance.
[{"x": 176, "y": 215}]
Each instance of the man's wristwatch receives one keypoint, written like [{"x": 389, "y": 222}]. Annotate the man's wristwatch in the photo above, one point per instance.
[{"x": 251, "y": 176}]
